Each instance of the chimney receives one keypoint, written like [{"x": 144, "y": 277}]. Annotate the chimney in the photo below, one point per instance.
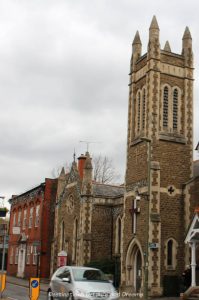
[{"x": 81, "y": 163}]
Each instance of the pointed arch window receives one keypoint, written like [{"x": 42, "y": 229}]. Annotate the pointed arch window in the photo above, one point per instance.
[
  {"x": 175, "y": 109},
  {"x": 138, "y": 112},
  {"x": 143, "y": 108},
  {"x": 165, "y": 106},
  {"x": 62, "y": 236},
  {"x": 170, "y": 253}
]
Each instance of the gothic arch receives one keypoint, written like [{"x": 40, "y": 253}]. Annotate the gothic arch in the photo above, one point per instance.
[
  {"x": 135, "y": 265},
  {"x": 171, "y": 248}
]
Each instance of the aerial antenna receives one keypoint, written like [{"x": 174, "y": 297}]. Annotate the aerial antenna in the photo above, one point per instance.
[
  {"x": 74, "y": 155},
  {"x": 88, "y": 143}
]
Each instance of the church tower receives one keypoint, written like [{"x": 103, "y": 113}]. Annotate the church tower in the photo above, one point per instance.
[{"x": 159, "y": 163}]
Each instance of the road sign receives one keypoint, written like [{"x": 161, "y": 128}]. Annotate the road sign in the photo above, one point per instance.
[
  {"x": 34, "y": 288},
  {"x": 153, "y": 245}
]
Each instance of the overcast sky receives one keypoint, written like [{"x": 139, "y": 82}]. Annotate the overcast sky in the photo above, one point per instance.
[{"x": 64, "y": 68}]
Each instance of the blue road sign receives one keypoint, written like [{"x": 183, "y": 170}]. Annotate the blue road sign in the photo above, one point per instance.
[{"x": 35, "y": 283}]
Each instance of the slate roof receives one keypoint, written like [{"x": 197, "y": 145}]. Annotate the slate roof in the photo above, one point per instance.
[
  {"x": 196, "y": 168},
  {"x": 107, "y": 191}
]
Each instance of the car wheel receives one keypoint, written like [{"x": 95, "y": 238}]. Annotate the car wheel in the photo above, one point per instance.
[
  {"x": 49, "y": 295},
  {"x": 70, "y": 296}
]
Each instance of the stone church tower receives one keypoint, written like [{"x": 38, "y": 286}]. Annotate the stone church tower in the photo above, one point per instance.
[{"x": 159, "y": 163}]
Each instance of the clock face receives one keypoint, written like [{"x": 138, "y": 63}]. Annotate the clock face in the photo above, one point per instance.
[{"x": 70, "y": 204}]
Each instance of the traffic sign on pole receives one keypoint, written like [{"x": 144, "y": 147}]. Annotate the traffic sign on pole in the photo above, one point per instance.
[{"x": 34, "y": 288}]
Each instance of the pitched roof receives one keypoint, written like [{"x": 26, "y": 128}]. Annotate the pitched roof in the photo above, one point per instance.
[{"x": 107, "y": 191}]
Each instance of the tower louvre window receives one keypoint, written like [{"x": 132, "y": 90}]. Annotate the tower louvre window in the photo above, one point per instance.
[
  {"x": 165, "y": 106},
  {"x": 138, "y": 113},
  {"x": 143, "y": 108},
  {"x": 175, "y": 109}
]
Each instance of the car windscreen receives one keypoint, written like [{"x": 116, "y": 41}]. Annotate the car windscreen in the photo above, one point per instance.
[{"x": 89, "y": 275}]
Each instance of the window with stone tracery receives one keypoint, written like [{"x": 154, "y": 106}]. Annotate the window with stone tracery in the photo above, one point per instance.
[{"x": 175, "y": 109}]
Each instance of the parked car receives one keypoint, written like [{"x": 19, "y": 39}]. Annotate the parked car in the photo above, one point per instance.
[{"x": 80, "y": 283}]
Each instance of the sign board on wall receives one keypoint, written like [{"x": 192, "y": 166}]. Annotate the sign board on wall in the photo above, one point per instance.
[{"x": 16, "y": 230}]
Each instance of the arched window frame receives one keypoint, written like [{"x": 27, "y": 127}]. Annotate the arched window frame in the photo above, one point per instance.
[
  {"x": 170, "y": 110},
  {"x": 171, "y": 262}
]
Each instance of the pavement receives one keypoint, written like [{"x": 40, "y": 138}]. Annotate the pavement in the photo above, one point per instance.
[{"x": 44, "y": 283}]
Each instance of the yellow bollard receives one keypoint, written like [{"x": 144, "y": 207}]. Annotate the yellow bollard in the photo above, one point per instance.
[
  {"x": 2, "y": 283},
  {"x": 34, "y": 288}
]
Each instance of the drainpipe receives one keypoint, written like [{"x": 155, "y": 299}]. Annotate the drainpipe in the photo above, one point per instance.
[{"x": 146, "y": 270}]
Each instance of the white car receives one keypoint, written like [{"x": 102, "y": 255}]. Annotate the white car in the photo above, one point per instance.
[{"x": 80, "y": 283}]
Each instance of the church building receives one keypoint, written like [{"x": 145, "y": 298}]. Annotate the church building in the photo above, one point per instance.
[
  {"x": 159, "y": 165},
  {"x": 87, "y": 217}
]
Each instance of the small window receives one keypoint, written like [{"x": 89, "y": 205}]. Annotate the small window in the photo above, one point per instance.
[
  {"x": 30, "y": 217},
  {"x": 35, "y": 254},
  {"x": 19, "y": 218},
  {"x": 16, "y": 255},
  {"x": 37, "y": 216},
  {"x": 11, "y": 255},
  {"x": 170, "y": 253},
  {"x": 24, "y": 218},
  {"x": 28, "y": 254},
  {"x": 165, "y": 106},
  {"x": 14, "y": 219}
]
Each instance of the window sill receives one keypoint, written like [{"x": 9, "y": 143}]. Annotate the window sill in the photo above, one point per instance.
[
  {"x": 170, "y": 268},
  {"x": 172, "y": 137}
]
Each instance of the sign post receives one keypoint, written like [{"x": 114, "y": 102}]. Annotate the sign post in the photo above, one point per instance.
[
  {"x": 2, "y": 283},
  {"x": 34, "y": 288}
]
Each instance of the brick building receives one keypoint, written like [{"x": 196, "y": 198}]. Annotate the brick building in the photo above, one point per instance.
[
  {"x": 157, "y": 207},
  {"x": 88, "y": 216},
  {"x": 31, "y": 231}
]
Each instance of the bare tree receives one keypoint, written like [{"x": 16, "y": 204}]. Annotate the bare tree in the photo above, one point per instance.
[
  {"x": 103, "y": 170},
  {"x": 57, "y": 170}
]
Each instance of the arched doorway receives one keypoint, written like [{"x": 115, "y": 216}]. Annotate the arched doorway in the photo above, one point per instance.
[
  {"x": 137, "y": 271},
  {"x": 134, "y": 266}
]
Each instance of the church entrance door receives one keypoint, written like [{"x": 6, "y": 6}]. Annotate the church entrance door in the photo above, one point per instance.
[{"x": 137, "y": 271}]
